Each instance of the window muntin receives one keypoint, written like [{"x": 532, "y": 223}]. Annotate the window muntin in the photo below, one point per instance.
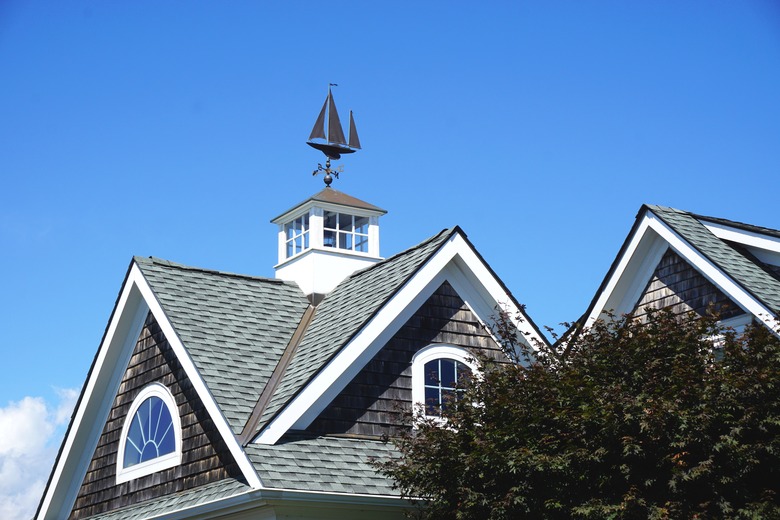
[
  {"x": 444, "y": 383},
  {"x": 438, "y": 375},
  {"x": 296, "y": 235},
  {"x": 344, "y": 231},
  {"x": 151, "y": 435}
]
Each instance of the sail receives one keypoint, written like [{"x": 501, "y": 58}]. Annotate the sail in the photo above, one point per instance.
[
  {"x": 319, "y": 126},
  {"x": 354, "y": 140},
  {"x": 335, "y": 132}
]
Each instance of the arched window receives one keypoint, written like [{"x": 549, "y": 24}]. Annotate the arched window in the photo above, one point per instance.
[
  {"x": 151, "y": 435},
  {"x": 439, "y": 373}
]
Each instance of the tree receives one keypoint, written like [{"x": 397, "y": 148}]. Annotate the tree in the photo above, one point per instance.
[{"x": 668, "y": 418}]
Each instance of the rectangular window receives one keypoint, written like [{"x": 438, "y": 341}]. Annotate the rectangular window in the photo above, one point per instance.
[
  {"x": 345, "y": 231},
  {"x": 297, "y": 235}
]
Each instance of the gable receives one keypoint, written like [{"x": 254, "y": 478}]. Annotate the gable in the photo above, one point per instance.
[
  {"x": 135, "y": 302},
  {"x": 384, "y": 296},
  {"x": 373, "y": 402},
  {"x": 708, "y": 248},
  {"x": 677, "y": 285},
  {"x": 205, "y": 456}
]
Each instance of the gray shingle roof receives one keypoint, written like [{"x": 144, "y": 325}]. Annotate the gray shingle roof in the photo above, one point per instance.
[
  {"x": 343, "y": 312},
  {"x": 234, "y": 327},
  {"x": 741, "y": 269},
  {"x": 169, "y": 503},
  {"x": 324, "y": 464}
]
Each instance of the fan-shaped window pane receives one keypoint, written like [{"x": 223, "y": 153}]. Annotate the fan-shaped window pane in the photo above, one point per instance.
[{"x": 151, "y": 433}]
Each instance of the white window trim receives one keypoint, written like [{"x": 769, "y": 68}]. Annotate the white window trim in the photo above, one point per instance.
[
  {"x": 166, "y": 461},
  {"x": 429, "y": 353}
]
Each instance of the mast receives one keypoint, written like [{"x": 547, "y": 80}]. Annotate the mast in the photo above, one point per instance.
[{"x": 335, "y": 132}]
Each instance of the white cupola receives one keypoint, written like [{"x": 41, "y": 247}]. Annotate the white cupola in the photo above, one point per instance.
[{"x": 326, "y": 238}]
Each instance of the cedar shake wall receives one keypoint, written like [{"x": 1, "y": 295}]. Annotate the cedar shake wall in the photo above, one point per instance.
[
  {"x": 676, "y": 284},
  {"x": 372, "y": 403},
  {"x": 205, "y": 457}
]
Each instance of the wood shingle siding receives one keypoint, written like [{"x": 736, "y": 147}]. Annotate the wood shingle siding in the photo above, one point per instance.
[
  {"x": 205, "y": 458},
  {"x": 677, "y": 285},
  {"x": 373, "y": 402}
]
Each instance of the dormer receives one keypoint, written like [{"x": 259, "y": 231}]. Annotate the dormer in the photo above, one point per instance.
[{"x": 326, "y": 238}]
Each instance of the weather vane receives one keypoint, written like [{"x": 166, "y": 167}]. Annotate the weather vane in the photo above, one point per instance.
[{"x": 332, "y": 143}]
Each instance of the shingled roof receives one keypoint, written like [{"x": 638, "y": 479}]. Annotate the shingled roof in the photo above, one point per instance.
[
  {"x": 234, "y": 327},
  {"x": 325, "y": 464},
  {"x": 344, "y": 311},
  {"x": 742, "y": 268},
  {"x": 191, "y": 498}
]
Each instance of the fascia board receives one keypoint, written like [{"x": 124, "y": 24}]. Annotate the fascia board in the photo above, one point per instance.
[
  {"x": 631, "y": 273},
  {"x": 741, "y": 236},
  {"x": 198, "y": 383},
  {"x": 652, "y": 224},
  {"x": 305, "y": 407},
  {"x": 765, "y": 248},
  {"x": 96, "y": 399}
]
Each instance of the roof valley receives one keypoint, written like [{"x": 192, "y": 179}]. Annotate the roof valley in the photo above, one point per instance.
[{"x": 268, "y": 391}]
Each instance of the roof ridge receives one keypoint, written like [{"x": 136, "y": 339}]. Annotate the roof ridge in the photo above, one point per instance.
[{"x": 168, "y": 263}]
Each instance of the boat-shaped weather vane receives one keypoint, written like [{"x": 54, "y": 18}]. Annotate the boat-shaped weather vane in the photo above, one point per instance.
[{"x": 332, "y": 144}]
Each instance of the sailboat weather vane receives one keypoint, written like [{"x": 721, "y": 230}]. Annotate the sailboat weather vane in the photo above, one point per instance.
[{"x": 332, "y": 144}]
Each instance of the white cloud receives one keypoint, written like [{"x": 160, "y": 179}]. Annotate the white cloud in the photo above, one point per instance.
[{"x": 32, "y": 431}]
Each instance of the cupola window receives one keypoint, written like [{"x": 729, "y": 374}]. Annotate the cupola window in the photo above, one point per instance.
[
  {"x": 439, "y": 375},
  {"x": 151, "y": 435},
  {"x": 345, "y": 231},
  {"x": 297, "y": 235}
]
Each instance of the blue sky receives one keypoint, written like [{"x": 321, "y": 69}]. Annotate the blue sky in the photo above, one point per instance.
[{"x": 177, "y": 129}]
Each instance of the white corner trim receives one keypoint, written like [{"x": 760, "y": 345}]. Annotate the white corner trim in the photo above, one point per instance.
[
  {"x": 168, "y": 460},
  {"x": 197, "y": 382},
  {"x": 95, "y": 402},
  {"x": 640, "y": 236},
  {"x": 454, "y": 260},
  {"x": 651, "y": 223}
]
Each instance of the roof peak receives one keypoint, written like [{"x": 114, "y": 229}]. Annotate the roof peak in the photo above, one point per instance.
[{"x": 330, "y": 195}]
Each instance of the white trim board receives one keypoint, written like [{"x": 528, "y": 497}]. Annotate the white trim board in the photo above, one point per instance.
[
  {"x": 455, "y": 261},
  {"x": 641, "y": 256},
  {"x": 95, "y": 403},
  {"x": 199, "y": 384},
  {"x": 135, "y": 301}
]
